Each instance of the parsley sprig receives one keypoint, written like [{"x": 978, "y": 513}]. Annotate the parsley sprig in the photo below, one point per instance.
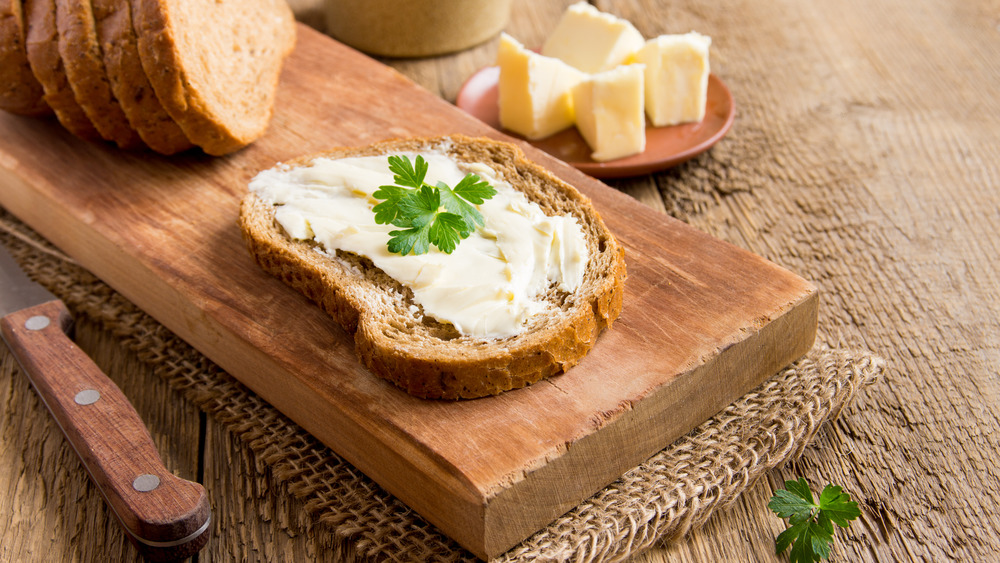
[
  {"x": 438, "y": 215},
  {"x": 810, "y": 525}
]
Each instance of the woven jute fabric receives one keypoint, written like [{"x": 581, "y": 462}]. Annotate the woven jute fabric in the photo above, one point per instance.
[{"x": 672, "y": 493}]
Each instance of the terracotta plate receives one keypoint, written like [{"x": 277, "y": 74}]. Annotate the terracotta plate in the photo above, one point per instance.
[{"x": 665, "y": 146}]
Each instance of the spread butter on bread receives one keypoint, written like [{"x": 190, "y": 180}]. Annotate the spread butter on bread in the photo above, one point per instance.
[{"x": 523, "y": 298}]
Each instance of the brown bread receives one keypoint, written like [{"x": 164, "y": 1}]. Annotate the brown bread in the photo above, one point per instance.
[
  {"x": 119, "y": 49},
  {"x": 84, "y": 64},
  {"x": 42, "y": 45},
  {"x": 430, "y": 359},
  {"x": 215, "y": 65},
  {"x": 20, "y": 91}
]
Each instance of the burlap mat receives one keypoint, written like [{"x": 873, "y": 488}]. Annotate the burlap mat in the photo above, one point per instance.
[{"x": 674, "y": 492}]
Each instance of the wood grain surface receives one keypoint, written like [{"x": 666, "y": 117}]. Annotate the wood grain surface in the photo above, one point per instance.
[
  {"x": 864, "y": 155},
  {"x": 167, "y": 518},
  {"x": 703, "y": 321}
]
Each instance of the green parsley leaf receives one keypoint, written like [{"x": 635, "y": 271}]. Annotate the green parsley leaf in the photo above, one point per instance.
[
  {"x": 443, "y": 229},
  {"x": 810, "y": 530},
  {"x": 414, "y": 240},
  {"x": 835, "y": 504},
  {"x": 437, "y": 215},
  {"x": 419, "y": 207},
  {"x": 406, "y": 174},
  {"x": 473, "y": 189},
  {"x": 447, "y": 231},
  {"x": 800, "y": 488},
  {"x": 455, "y": 204},
  {"x": 792, "y": 503},
  {"x": 387, "y": 211}
]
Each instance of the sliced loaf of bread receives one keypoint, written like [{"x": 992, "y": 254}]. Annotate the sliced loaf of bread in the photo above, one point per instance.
[
  {"x": 84, "y": 64},
  {"x": 426, "y": 357},
  {"x": 215, "y": 65},
  {"x": 42, "y": 44},
  {"x": 119, "y": 49},
  {"x": 20, "y": 91}
]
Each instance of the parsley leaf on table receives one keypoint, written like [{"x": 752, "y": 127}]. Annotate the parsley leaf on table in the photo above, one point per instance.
[
  {"x": 810, "y": 525},
  {"x": 438, "y": 215}
]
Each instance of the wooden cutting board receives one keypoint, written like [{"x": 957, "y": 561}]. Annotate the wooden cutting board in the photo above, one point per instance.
[{"x": 703, "y": 321}]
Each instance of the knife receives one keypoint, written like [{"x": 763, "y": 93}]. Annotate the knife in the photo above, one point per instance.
[{"x": 165, "y": 517}]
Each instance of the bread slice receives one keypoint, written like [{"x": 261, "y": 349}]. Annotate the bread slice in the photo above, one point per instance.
[
  {"x": 42, "y": 45},
  {"x": 120, "y": 52},
  {"x": 215, "y": 65},
  {"x": 84, "y": 64},
  {"x": 20, "y": 91},
  {"x": 424, "y": 357}
]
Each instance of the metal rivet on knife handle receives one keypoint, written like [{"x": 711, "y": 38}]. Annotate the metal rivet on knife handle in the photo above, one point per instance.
[
  {"x": 145, "y": 483},
  {"x": 87, "y": 397},
  {"x": 38, "y": 322}
]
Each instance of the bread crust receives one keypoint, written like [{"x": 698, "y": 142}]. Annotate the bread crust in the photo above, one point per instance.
[
  {"x": 392, "y": 344},
  {"x": 217, "y": 82},
  {"x": 84, "y": 65},
  {"x": 42, "y": 46},
  {"x": 119, "y": 50},
  {"x": 20, "y": 91}
]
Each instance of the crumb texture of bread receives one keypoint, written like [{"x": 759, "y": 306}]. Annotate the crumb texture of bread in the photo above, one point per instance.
[
  {"x": 20, "y": 91},
  {"x": 418, "y": 354},
  {"x": 215, "y": 65},
  {"x": 120, "y": 52},
  {"x": 84, "y": 64},
  {"x": 42, "y": 45}
]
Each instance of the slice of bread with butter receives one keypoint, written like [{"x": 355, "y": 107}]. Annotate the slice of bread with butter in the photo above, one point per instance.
[{"x": 524, "y": 297}]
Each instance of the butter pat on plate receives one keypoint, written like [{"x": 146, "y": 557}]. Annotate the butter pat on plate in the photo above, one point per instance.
[
  {"x": 535, "y": 91},
  {"x": 591, "y": 40},
  {"x": 609, "y": 112},
  {"x": 676, "y": 81}
]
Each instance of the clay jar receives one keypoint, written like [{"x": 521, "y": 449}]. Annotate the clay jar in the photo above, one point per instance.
[{"x": 415, "y": 28}]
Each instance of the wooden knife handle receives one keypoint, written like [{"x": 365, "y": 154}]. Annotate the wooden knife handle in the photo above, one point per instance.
[{"x": 166, "y": 517}]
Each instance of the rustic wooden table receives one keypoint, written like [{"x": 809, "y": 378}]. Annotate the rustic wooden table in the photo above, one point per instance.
[{"x": 864, "y": 156}]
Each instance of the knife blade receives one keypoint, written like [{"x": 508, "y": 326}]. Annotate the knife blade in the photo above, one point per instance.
[{"x": 165, "y": 517}]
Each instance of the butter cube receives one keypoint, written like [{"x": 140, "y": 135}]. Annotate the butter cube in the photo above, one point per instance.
[
  {"x": 676, "y": 78},
  {"x": 591, "y": 40},
  {"x": 535, "y": 92},
  {"x": 609, "y": 112}
]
